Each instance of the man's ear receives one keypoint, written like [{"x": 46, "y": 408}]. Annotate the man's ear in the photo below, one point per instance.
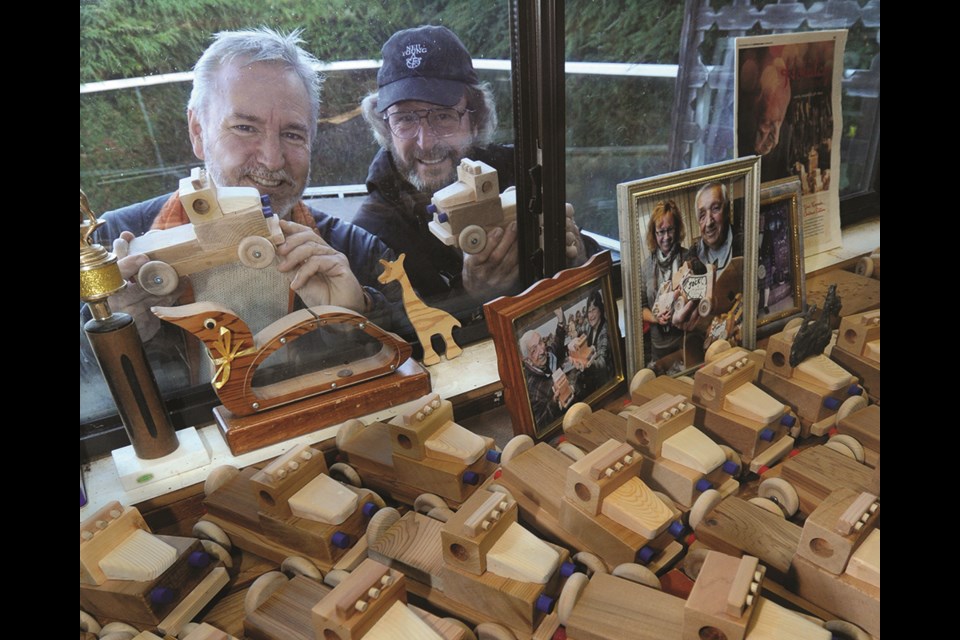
[{"x": 196, "y": 133}]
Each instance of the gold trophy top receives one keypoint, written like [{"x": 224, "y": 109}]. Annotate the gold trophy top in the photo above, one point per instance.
[{"x": 99, "y": 273}]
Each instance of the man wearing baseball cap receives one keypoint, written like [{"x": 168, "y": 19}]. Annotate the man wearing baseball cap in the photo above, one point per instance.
[{"x": 429, "y": 112}]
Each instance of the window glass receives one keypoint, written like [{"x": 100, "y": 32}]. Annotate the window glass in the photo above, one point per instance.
[{"x": 135, "y": 74}]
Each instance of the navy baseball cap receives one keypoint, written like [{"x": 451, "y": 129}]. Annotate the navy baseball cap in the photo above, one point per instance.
[{"x": 428, "y": 64}]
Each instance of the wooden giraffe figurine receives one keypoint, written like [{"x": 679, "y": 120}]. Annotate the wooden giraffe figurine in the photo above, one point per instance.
[{"x": 426, "y": 321}]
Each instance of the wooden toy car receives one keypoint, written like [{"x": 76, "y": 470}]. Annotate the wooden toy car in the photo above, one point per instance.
[
  {"x": 678, "y": 459},
  {"x": 816, "y": 388},
  {"x": 290, "y": 508},
  {"x": 725, "y": 602},
  {"x": 465, "y": 211},
  {"x": 859, "y": 431},
  {"x": 131, "y": 575},
  {"x": 739, "y": 414},
  {"x": 369, "y": 602},
  {"x": 479, "y": 563},
  {"x": 597, "y": 504},
  {"x": 420, "y": 451},
  {"x": 858, "y": 349},
  {"x": 832, "y": 562},
  {"x": 226, "y": 224}
]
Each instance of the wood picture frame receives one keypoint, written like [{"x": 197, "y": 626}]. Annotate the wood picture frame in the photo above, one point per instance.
[
  {"x": 698, "y": 302},
  {"x": 545, "y": 369},
  {"x": 781, "y": 282}
]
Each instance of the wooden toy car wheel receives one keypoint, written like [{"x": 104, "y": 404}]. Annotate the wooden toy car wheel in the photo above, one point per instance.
[
  {"x": 690, "y": 381},
  {"x": 347, "y": 431},
  {"x": 516, "y": 446},
  {"x": 843, "y": 630},
  {"x": 704, "y": 307},
  {"x": 704, "y": 505},
  {"x": 88, "y": 622},
  {"x": 493, "y": 631},
  {"x": 158, "y": 278},
  {"x": 693, "y": 562},
  {"x": 335, "y": 577},
  {"x": 572, "y": 451},
  {"x": 261, "y": 589},
  {"x": 637, "y": 573},
  {"x": 118, "y": 631},
  {"x": 217, "y": 551},
  {"x": 715, "y": 349},
  {"x": 591, "y": 561},
  {"x": 299, "y": 566},
  {"x": 341, "y": 470},
  {"x": 767, "y": 505},
  {"x": 218, "y": 477},
  {"x": 569, "y": 595},
  {"x": 473, "y": 239},
  {"x": 465, "y": 631},
  {"x": 256, "y": 252},
  {"x": 641, "y": 378},
  {"x": 427, "y": 501},
  {"x": 575, "y": 414},
  {"x": 380, "y": 522},
  {"x": 781, "y": 492},
  {"x": 847, "y": 445},
  {"x": 851, "y": 405},
  {"x": 206, "y": 530}
]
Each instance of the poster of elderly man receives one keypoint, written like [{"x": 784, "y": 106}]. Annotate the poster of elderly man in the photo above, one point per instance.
[{"x": 788, "y": 112}]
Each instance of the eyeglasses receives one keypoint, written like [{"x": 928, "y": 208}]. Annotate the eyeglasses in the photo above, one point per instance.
[
  {"x": 443, "y": 122},
  {"x": 664, "y": 232}
]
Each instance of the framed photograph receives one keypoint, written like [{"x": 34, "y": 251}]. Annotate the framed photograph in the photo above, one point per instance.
[
  {"x": 557, "y": 343},
  {"x": 781, "y": 290},
  {"x": 688, "y": 243}
]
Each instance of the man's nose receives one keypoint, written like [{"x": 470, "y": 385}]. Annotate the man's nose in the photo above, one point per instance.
[
  {"x": 270, "y": 153},
  {"x": 425, "y": 137}
]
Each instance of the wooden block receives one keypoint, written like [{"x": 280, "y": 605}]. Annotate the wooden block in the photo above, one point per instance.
[
  {"x": 735, "y": 526},
  {"x": 770, "y": 621},
  {"x": 470, "y": 533},
  {"x": 276, "y": 482},
  {"x": 844, "y": 596},
  {"x": 858, "y": 331},
  {"x": 693, "y": 449},
  {"x": 247, "y": 433},
  {"x": 140, "y": 556},
  {"x": 357, "y": 603},
  {"x": 676, "y": 480},
  {"x": 660, "y": 385},
  {"x": 865, "y": 562},
  {"x": 772, "y": 454},
  {"x": 413, "y": 545},
  {"x": 739, "y": 433},
  {"x": 867, "y": 370},
  {"x": 194, "y": 601},
  {"x": 453, "y": 443},
  {"x": 207, "y": 632},
  {"x": 100, "y": 533},
  {"x": 610, "y": 540},
  {"x": 864, "y": 425},
  {"x": 654, "y": 422},
  {"x": 438, "y": 476},
  {"x": 535, "y": 477},
  {"x": 232, "y": 229},
  {"x": 287, "y": 612},
  {"x": 817, "y": 471},
  {"x": 409, "y": 431},
  {"x": 777, "y": 360},
  {"x": 520, "y": 555},
  {"x": 323, "y": 499},
  {"x": 611, "y": 608},
  {"x": 721, "y": 602},
  {"x": 130, "y": 600},
  {"x": 592, "y": 478},
  {"x": 635, "y": 506},
  {"x": 751, "y": 402},
  {"x": 821, "y": 371},
  {"x": 805, "y": 399},
  {"x": 596, "y": 428},
  {"x": 715, "y": 380},
  {"x": 399, "y": 621}
]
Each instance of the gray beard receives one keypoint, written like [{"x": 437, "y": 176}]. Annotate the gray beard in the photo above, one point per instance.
[{"x": 409, "y": 170}]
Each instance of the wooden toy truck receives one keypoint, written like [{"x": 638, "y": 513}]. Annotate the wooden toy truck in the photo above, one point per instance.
[
  {"x": 288, "y": 509},
  {"x": 725, "y": 603},
  {"x": 832, "y": 562},
  {"x": 478, "y": 564},
  {"x": 226, "y": 224},
  {"x": 817, "y": 389},
  {"x": 597, "y": 504},
  {"x": 369, "y": 603},
  {"x": 858, "y": 349},
  {"x": 678, "y": 459},
  {"x": 131, "y": 575},
  {"x": 467, "y": 210},
  {"x": 420, "y": 451}
]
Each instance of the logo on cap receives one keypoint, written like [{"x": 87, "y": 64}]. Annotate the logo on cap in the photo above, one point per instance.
[{"x": 410, "y": 53}]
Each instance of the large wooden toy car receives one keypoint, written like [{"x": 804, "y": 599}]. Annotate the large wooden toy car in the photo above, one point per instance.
[
  {"x": 479, "y": 564},
  {"x": 369, "y": 602},
  {"x": 226, "y": 224},
  {"x": 597, "y": 504},
  {"x": 290, "y": 508},
  {"x": 678, "y": 458},
  {"x": 858, "y": 349},
  {"x": 131, "y": 575},
  {"x": 420, "y": 451},
  {"x": 467, "y": 210}
]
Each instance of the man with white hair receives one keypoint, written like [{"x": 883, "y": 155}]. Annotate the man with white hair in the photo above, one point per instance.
[{"x": 540, "y": 362}]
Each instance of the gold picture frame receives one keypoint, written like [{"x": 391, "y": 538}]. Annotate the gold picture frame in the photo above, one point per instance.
[{"x": 781, "y": 281}]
